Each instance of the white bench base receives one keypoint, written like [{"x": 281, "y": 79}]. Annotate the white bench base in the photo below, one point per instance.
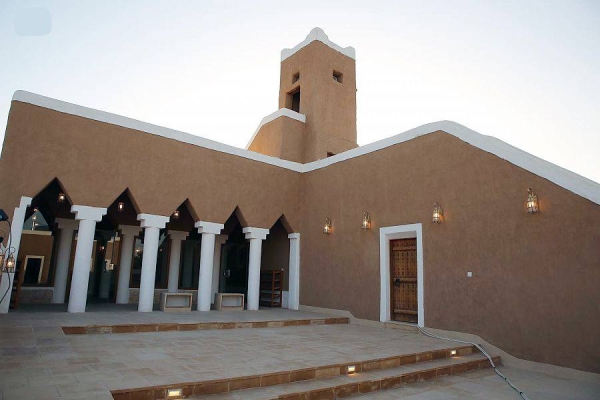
[
  {"x": 175, "y": 302},
  {"x": 229, "y": 301}
]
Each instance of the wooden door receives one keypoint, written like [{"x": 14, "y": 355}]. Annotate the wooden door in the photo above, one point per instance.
[{"x": 403, "y": 274}]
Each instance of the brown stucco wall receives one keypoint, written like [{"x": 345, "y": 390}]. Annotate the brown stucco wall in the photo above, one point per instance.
[
  {"x": 33, "y": 244},
  {"x": 96, "y": 162},
  {"x": 534, "y": 290},
  {"x": 281, "y": 138}
]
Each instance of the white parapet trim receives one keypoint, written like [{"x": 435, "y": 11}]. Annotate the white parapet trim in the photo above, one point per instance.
[
  {"x": 317, "y": 34},
  {"x": 568, "y": 180},
  {"x": 282, "y": 112},
  {"x": 130, "y": 123},
  {"x": 562, "y": 177}
]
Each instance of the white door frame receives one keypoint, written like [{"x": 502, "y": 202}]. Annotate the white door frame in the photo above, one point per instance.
[{"x": 399, "y": 232}]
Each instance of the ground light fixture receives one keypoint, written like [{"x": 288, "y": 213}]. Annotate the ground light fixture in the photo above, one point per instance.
[
  {"x": 532, "y": 202},
  {"x": 350, "y": 369},
  {"x": 121, "y": 207},
  {"x": 366, "y": 221},
  {"x": 438, "y": 213},
  {"x": 328, "y": 226},
  {"x": 452, "y": 352},
  {"x": 61, "y": 198},
  {"x": 174, "y": 393},
  {"x": 176, "y": 214}
]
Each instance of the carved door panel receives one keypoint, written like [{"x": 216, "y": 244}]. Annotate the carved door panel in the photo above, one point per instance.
[{"x": 403, "y": 273}]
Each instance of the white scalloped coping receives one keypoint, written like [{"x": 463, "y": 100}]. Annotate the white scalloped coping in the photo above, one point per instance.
[
  {"x": 317, "y": 34},
  {"x": 569, "y": 180}
]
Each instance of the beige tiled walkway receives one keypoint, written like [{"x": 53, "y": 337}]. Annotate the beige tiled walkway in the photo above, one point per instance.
[
  {"x": 485, "y": 384},
  {"x": 37, "y": 361},
  {"x": 116, "y": 314},
  {"x": 40, "y": 362}
]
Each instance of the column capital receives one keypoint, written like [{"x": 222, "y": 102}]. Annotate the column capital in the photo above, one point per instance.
[
  {"x": 130, "y": 230},
  {"x": 209, "y": 227},
  {"x": 255, "y": 233},
  {"x": 153, "y": 221},
  {"x": 294, "y": 236},
  {"x": 178, "y": 235},
  {"x": 25, "y": 202},
  {"x": 89, "y": 213},
  {"x": 65, "y": 223}
]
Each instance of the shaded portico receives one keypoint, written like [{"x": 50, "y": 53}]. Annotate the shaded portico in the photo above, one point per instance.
[{"x": 156, "y": 253}]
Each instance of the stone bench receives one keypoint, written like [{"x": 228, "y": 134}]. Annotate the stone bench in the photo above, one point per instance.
[
  {"x": 229, "y": 301},
  {"x": 175, "y": 302}
]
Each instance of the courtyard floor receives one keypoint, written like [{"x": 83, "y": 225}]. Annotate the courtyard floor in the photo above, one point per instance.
[
  {"x": 38, "y": 361},
  {"x": 485, "y": 384}
]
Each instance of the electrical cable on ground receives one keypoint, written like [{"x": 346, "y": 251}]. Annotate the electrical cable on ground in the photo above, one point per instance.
[{"x": 519, "y": 391}]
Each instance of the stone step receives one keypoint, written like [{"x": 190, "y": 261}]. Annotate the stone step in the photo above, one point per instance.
[
  {"x": 360, "y": 383},
  {"x": 316, "y": 373},
  {"x": 197, "y": 326}
]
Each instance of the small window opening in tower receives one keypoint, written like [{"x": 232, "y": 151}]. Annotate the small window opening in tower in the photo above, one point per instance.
[
  {"x": 338, "y": 77},
  {"x": 296, "y": 77},
  {"x": 292, "y": 100}
]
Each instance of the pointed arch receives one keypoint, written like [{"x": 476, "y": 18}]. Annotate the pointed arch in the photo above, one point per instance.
[
  {"x": 53, "y": 201},
  {"x": 183, "y": 217},
  {"x": 285, "y": 223},
  {"x": 123, "y": 210}
]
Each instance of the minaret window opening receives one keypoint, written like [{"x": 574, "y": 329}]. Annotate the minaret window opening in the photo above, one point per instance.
[
  {"x": 338, "y": 77},
  {"x": 293, "y": 100}
]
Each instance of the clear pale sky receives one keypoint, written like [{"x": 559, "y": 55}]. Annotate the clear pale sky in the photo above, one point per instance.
[{"x": 526, "y": 72}]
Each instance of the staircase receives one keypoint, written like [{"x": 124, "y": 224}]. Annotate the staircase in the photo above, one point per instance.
[{"x": 325, "y": 382}]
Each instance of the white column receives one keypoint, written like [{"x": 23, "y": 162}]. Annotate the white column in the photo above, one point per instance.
[
  {"x": 175, "y": 259},
  {"x": 207, "y": 255},
  {"x": 17, "y": 222},
  {"x": 128, "y": 234},
  {"x": 152, "y": 225},
  {"x": 63, "y": 258},
  {"x": 219, "y": 241},
  {"x": 87, "y": 217},
  {"x": 256, "y": 236},
  {"x": 294, "y": 272}
]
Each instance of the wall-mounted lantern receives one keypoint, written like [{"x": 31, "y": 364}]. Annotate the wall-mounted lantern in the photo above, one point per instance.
[
  {"x": 176, "y": 214},
  {"x": 121, "y": 207},
  {"x": 10, "y": 264},
  {"x": 532, "y": 202},
  {"x": 438, "y": 213},
  {"x": 366, "y": 221},
  {"x": 61, "y": 197},
  {"x": 328, "y": 226}
]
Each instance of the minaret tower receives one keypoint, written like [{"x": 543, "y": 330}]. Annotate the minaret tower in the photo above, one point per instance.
[{"x": 317, "y": 103}]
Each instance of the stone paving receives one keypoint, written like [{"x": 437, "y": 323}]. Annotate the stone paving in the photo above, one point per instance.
[
  {"x": 116, "y": 314},
  {"x": 40, "y": 362},
  {"x": 485, "y": 384}
]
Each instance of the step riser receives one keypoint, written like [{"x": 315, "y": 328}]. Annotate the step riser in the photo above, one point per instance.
[
  {"x": 256, "y": 381},
  {"x": 394, "y": 382},
  {"x": 143, "y": 328}
]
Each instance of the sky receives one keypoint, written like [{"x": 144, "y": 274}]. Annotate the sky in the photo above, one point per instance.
[{"x": 526, "y": 72}]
